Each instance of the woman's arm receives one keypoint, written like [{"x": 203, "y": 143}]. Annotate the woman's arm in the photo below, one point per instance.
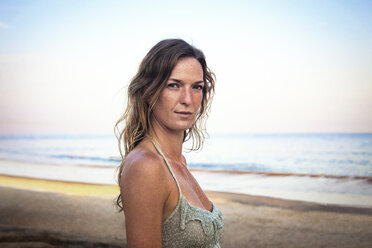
[{"x": 144, "y": 192}]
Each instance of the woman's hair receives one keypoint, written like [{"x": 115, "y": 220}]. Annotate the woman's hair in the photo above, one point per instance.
[{"x": 144, "y": 90}]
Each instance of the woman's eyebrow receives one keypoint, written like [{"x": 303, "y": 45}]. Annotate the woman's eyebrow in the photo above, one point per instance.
[
  {"x": 176, "y": 80},
  {"x": 180, "y": 81}
]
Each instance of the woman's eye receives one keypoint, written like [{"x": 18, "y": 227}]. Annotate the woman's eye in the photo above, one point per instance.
[
  {"x": 172, "y": 85},
  {"x": 198, "y": 87}
]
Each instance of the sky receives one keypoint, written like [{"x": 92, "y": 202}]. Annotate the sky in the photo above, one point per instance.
[{"x": 281, "y": 66}]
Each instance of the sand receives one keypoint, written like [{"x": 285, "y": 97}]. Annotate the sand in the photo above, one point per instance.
[{"x": 41, "y": 213}]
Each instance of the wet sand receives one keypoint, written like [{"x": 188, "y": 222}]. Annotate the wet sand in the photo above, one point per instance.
[{"x": 42, "y": 213}]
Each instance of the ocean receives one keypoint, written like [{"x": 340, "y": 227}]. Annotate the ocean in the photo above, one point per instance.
[{"x": 326, "y": 166}]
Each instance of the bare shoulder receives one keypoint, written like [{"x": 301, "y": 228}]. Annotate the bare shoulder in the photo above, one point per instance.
[
  {"x": 143, "y": 169},
  {"x": 143, "y": 162}
]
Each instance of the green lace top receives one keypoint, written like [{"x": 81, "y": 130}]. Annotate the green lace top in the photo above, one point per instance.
[{"x": 189, "y": 226}]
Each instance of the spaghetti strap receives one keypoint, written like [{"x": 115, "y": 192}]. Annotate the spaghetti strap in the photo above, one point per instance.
[{"x": 168, "y": 165}]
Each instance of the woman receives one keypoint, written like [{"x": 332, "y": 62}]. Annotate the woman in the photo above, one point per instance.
[{"x": 168, "y": 100}]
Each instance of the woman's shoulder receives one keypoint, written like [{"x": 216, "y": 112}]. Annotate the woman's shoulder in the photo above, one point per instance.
[
  {"x": 144, "y": 162},
  {"x": 144, "y": 174}
]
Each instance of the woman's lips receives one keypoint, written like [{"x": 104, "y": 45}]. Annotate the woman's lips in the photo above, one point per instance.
[{"x": 184, "y": 114}]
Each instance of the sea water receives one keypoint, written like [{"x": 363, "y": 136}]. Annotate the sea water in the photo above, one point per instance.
[
  {"x": 328, "y": 168},
  {"x": 330, "y": 154}
]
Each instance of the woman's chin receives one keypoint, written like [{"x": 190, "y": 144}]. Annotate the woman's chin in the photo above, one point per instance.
[{"x": 183, "y": 127}]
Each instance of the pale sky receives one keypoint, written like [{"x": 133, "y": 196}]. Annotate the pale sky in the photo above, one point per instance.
[{"x": 281, "y": 66}]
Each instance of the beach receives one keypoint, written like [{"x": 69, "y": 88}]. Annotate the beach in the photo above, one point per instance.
[{"x": 50, "y": 213}]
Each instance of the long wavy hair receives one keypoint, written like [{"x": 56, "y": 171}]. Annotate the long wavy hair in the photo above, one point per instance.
[{"x": 144, "y": 90}]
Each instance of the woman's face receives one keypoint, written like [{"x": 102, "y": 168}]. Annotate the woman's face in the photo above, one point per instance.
[{"x": 179, "y": 102}]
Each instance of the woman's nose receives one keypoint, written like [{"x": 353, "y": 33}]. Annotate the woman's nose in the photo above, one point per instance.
[{"x": 186, "y": 97}]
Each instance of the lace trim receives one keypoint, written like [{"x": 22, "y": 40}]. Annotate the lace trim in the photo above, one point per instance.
[{"x": 211, "y": 222}]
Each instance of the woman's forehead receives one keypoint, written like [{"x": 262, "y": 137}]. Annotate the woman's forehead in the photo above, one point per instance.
[{"x": 187, "y": 68}]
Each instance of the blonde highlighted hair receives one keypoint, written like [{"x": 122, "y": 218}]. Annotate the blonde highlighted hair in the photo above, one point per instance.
[{"x": 144, "y": 90}]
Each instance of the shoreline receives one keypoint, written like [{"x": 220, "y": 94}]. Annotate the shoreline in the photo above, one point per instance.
[
  {"x": 264, "y": 173},
  {"x": 58, "y": 186},
  {"x": 283, "y": 174},
  {"x": 339, "y": 190},
  {"x": 107, "y": 191}
]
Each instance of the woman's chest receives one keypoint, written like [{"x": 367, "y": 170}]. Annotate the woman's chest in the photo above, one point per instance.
[{"x": 191, "y": 189}]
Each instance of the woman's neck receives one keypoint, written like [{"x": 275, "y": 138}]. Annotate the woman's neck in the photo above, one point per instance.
[{"x": 170, "y": 143}]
